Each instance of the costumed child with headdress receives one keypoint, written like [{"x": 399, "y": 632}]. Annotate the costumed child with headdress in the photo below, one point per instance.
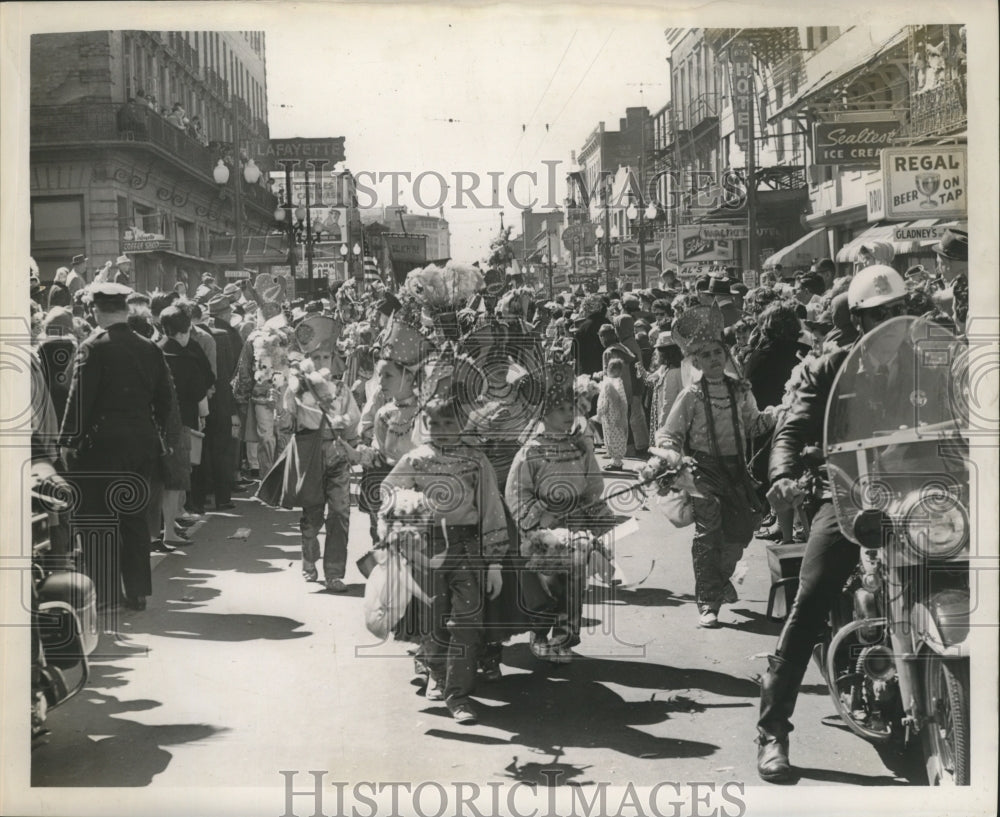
[
  {"x": 394, "y": 422},
  {"x": 711, "y": 421},
  {"x": 323, "y": 415},
  {"x": 495, "y": 377},
  {"x": 554, "y": 490},
  {"x": 466, "y": 542}
]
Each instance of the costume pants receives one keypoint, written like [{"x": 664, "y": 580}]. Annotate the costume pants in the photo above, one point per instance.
[
  {"x": 724, "y": 523},
  {"x": 337, "y": 487},
  {"x": 567, "y": 588},
  {"x": 264, "y": 418},
  {"x": 452, "y": 647}
]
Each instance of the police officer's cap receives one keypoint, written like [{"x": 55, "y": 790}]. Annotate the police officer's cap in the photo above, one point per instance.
[{"x": 110, "y": 296}]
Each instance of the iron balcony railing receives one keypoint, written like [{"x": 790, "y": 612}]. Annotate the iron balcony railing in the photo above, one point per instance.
[{"x": 91, "y": 123}]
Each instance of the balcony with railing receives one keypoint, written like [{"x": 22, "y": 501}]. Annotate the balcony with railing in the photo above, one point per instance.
[{"x": 91, "y": 124}]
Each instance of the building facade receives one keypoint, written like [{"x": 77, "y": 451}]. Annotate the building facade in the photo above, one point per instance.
[{"x": 127, "y": 130}]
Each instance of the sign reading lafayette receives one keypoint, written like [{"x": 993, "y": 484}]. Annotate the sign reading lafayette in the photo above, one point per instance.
[
  {"x": 852, "y": 143},
  {"x": 332, "y": 150},
  {"x": 925, "y": 182}
]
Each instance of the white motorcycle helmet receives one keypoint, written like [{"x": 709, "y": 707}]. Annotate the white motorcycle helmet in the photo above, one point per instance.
[{"x": 875, "y": 285}]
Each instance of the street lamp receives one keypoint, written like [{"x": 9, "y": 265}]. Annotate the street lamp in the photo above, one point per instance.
[
  {"x": 547, "y": 260},
  {"x": 251, "y": 173}
]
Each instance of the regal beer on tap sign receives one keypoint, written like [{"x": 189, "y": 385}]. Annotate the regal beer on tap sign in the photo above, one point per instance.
[{"x": 926, "y": 182}]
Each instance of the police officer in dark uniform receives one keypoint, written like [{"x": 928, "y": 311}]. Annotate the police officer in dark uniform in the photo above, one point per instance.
[
  {"x": 119, "y": 402},
  {"x": 876, "y": 294}
]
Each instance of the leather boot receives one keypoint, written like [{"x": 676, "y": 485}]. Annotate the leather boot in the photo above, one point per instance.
[{"x": 778, "y": 692}]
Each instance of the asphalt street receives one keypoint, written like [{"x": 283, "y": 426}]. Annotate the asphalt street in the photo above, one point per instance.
[{"x": 239, "y": 669}]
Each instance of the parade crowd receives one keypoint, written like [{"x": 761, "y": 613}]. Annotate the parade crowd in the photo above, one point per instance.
[{"x": 462, "y": 411}]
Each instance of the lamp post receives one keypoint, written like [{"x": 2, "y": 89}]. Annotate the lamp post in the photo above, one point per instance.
[
  {"x": 251, "y": 173},
  {"x": 547, "y": 260},
  {"x": 634, "y": 213}
]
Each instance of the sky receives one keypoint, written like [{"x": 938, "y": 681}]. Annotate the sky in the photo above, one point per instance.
[{"x": 498, "y": 90}]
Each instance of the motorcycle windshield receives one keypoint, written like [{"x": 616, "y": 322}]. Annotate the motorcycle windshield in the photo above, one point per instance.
[{"x": 897, "y": 400}]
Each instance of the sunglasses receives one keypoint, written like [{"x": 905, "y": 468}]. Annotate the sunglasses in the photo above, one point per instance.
[{"x": 883, "y": 313}]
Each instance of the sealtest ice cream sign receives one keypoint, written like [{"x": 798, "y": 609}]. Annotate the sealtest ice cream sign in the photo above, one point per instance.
[{"x": 925, "y": 182}]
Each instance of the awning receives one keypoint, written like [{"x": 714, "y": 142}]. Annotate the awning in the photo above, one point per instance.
[
  {"x": 802, "y": 252},
  {"x": 913, "y": 236}
]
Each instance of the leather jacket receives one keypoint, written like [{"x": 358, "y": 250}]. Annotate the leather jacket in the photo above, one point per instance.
[{"x": 802, "y": 425}]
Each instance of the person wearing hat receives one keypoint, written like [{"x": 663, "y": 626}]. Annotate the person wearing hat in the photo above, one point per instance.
[
  {"x": 555, "y": 482},
  {"x": 710, "y": 420},
  {"x": 76, "y": 279},
  {"x": 467, "y": 541},
  {"x": 116, "y": 425},
  {"x": 318, "y": 405},
  {"x": 952, "y": 253},
  {"x": 826, "y": 269},
  {"x": 123, "y": 270},
  {"x": 258, "y": 382},
  {"x": 219, "y": 450},
  {"x": 876, "y": 294}
]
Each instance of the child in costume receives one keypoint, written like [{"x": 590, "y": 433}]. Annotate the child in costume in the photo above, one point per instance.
[
  {"x": 711, "y": 421},
  {"x": 612, "y": 412},
  {"x": 318, "y": 405},
  {"x": 467, "y": 540},
  {"x": 556, "y": 483}
]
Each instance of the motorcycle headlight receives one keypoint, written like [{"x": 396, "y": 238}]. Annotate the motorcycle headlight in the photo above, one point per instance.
[{"x": 935, "y": 523}]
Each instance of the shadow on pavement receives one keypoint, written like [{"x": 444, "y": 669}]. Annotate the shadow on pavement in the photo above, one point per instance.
[
  {"x": 220, "y": 626},
  {"x": 91, "y": 745},
  {"x": 830, "y": 776},
  {"x": 576, "y": 709}
]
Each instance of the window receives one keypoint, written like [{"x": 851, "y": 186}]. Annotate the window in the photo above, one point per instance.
[
  {"x": 186, "y": 237},
  {"x": 57, "y": 219}
]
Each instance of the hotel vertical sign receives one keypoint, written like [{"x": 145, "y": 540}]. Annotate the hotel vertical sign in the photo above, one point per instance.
[{"x": 741, "y": 68}]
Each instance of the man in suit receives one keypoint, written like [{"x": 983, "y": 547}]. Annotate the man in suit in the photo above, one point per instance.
[
  {"x": 119, "y": 401},
  {"x": 77, "y": 278}
]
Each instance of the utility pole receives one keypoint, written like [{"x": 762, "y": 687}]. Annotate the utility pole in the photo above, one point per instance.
[{"x": 237, "y": 192}]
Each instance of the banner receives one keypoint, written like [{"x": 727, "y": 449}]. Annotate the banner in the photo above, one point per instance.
[{"x": 925, "y": 182}]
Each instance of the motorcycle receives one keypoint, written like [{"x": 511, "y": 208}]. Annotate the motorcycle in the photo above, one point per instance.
[
  {"x": 64, "y": 628},
  {"x": 897, "y": 662}
]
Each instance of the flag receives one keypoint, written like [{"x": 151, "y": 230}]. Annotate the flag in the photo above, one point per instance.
[{"x": 390, "y": 276}]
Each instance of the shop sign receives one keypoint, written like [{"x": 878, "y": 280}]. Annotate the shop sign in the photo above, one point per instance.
[
  {"x": 741, "y": 68},
  {"x": 584, "y": 280},
  {"x": 927, "y": 182},
  {"x": 908, "y": 232},
  {"x": 237, "y": 275},
  {"x": 852, "y": 143},
  {"x": 695, "y": 246},
  {"x": 875, "y": 198},
  {"x": 331, "y": 150},
  {"x": 406, "y": 247},
  {"x": 135, "y": 240},
  {"x": 587, "y": 264}
]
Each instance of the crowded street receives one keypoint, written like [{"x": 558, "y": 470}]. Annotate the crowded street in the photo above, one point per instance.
[
  {"x": 234, "y": 631},
  {"x": 511, "y": 412}
]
